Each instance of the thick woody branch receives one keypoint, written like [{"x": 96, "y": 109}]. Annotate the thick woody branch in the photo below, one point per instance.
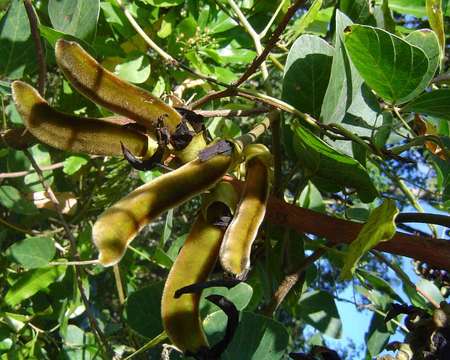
[{"x": 435, "y": 252}]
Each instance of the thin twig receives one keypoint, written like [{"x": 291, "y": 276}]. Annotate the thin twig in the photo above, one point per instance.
[
  {"x": 233, "y": 113},
  {"x": 16, "y": 227},
  {"x": 27, "y": 172},
  {"x": 423, "y": 218},
  {"x": 73, "y": 252},
  {"x": 255, "y": 37},
  {"x": 119, "y": 285},
  {"x": 34, "y": 27},
  {"x": 289, "y": 281},
  {"x": 167, "y": 57},
  {"x": 271, "y": 43}
]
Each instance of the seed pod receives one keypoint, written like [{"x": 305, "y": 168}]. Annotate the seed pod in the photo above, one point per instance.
[
  {"x": 106, "y": 89},
  {"x": 72, "y": 133},
  {"x": 240, "y": 234},
  {"x": 119, "y": 224},
  {"x": 181, "y": 318}
]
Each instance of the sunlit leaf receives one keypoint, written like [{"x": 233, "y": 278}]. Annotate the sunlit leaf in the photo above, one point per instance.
[{"x": 379, "y": 227}]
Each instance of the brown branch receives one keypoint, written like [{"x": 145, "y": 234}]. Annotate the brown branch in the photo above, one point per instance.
[
  {"x": 289, "y": 281},
  {"x": 271, "y": 43},
  {"x": 233, "y": 113},
  {"x": 34, "y": 26},
  {"x": 27, "y": 172},
  {"x": 73, "y": 252},
  {"x": 435, "y": 252},
  {"x": 423, "y": 218},
  {"x": 213, "y": 96}
]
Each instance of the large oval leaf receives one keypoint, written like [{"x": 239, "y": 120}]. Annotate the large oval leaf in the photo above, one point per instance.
[
  {"x": 307, "y": 73},
  {"x": 435, "y": 103},
  {"x": 16, "y": 45},
  {"x": 324, "y": 164},
  {"x": 143, "y": 310},
  {"x": 426, "y": 40},
  {"x": 78, "y": 18},
  {"x": 31, "y": 282},
  {"x": 392, "y": 67},
  {"x": 318, "y": 309},
  {"x": 257, "y": 337},
  {"x": 33, "y": 252}
]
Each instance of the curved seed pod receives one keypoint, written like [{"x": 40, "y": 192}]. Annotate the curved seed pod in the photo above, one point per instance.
[
  {"x": 68, "y": 132},
  {"x": 119, "y": 224},
  {"x": 181, "y": 318},
  {"x": 106, "y": 89},
  {"x": 240, "y": 234}
]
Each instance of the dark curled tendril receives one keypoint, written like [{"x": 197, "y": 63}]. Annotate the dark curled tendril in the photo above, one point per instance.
[
  {"x": 199, "y": 287},
  {"x": 222, "y": 147},
  {"x": 219, "y": 348},
  {"x": 182, "y": 136},
  {"x": 143, "y": 165},
  {"x": 194, "y": 119},
  {"x": 162, "y": 137}
]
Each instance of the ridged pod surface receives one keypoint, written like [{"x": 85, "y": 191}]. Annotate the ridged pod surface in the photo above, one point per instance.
[
  {"x": 72, "y": 133},
  {"x": 243, "y": 229},
  {"x": 120, "y": 223},
  {"x": 181, "y": 318},
  {"x": 108, "y": 90}
]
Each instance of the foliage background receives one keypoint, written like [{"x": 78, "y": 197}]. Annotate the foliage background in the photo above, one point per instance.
[{"x": 42, "y": 313}]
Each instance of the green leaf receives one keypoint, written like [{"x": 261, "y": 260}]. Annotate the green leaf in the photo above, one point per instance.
[
  {"x": 378, "y": 283},
  {"x": 429, "y": 288},
  {"x": 42, "y": 157},
  {"x": 318, "y": 309},
  {"x": 33, "y": 252},
  {"x": 240, "y": 296},
  {"x": 257, "y": 337},
  {"x": 74, "y": 163},
  {"x": 307, "y": 73},
  {"x": 377, "y": 336},
  {"x": 426, "y": 40},
  {"x": 16, "y": 45},
  {"x": 11, "y": 198},
  {"x": 168, "y": 224},
  {"x": 135, "y": 69},
  {"x": 31, "y": 282},
  {"x": 311, "y": 198},
  {"x": 78, "y": 18},
  {"x": 392, "y": 67},
  {"x": 358, "y": 10},
  {"x": 411, "y": 7},
  {"x": 348, "y": 101},
  {"x": 434, "y": 103},
  {"x": 436, "y": 20},
  {"x": 307, "y": 19},
  {"x": 163, "y": 3},
  {"x": 379, "y": 227},
  {"x": 321, "y": 161},
  {"x": 143, "y": 310}
]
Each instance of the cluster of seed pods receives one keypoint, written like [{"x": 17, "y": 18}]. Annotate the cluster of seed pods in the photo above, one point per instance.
[{"x": 228, "y": 223}]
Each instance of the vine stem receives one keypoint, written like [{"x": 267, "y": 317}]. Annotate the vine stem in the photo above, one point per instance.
[
  {"x": 166, "y": 56},
  {"x": 119, "y": 286},
  {"x": 73, "y": 252},
  {"x": 289, "y": 281},
  {"x": 34, "y": 27}
]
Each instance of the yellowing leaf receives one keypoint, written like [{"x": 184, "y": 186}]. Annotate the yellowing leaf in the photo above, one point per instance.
[{"x": 379, "y": 227}]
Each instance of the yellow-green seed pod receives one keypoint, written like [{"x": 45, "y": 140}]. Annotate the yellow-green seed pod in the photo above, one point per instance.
[
  {"x": 108, "y": 90},
  {"x": 181, "y": 318},
  {"x": 72, "y": 133},
  {"x": 119, "y": 224},
  {"x": 243, "y": 229}
]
